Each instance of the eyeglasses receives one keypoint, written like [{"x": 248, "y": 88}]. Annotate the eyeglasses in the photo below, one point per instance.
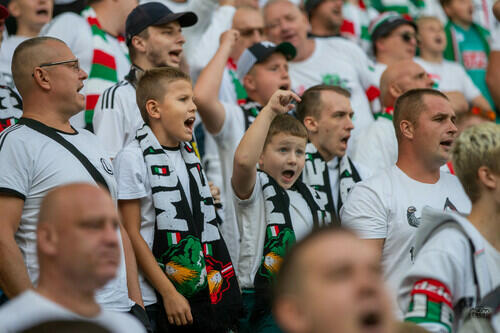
[
  {"x": 251, "y": 31},
  {"x": 408, "y": 36},
  {"x": 75, "y": 64}
]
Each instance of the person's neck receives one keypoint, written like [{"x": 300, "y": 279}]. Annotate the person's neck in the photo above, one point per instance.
[
  {"x": 48, "y": 117},
  {"x": 27, "y": 31},
  {"x": 252, "y": 95},
  {"x": 70, "y": 295},
  {"x": 431, "y": 56},
  {"x": 325, "y": 155},
  {"x": 485, "y": 215},
  {"x": 162, "y": 136},
  {"x": 305, "y": 50},
  {"x": 107, "y": 19},
  {"x": 414, "y": 167},
  {"x": 319, "y": 29},
  {"x": 462, "y": 24},
  {"x": 142, "y": 62},
  {"x": 386, "y": 59}
]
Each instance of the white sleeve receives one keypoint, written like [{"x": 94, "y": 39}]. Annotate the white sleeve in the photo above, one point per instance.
[
  {"x": 15, "y": 165},
  {"x": 208, "y": 42},
  {"x": 227, "y": 136},
  {"x": 364, "y": 212},
  {"x": 247, "y": 211},
  {"x": 440, "y": 264},
  {"x": 130, "y": 173},
  {"x": 469, "y": 89},
  {"x": 111, "y": 125}
]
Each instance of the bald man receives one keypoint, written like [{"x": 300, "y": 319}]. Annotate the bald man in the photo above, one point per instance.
[
  {"x": 378, "y": 147},
  {"x": 386, "y": 209},
  {"x": 323, "y": 286},
  {"x": 43, "y": 151},
  {"x": 79, "y": 252}
]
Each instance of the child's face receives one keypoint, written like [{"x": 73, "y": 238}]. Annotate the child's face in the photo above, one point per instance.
[
  {"x": 177, "y": 113},
  {"x": 432, "y": 36},
  {"x": 269, "y": 76},
  {"x": 283, "y": 158},
  {"x": 460, "y": 11}
]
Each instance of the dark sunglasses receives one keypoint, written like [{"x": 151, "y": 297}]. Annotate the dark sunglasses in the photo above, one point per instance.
[
  {"x": 408, "y": 36},
  {"x": 251, "y": 31}
]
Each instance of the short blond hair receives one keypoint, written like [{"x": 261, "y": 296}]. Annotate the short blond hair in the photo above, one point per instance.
[
  {"x": 477, "y": 146},
  {"x": 153, "y": 85}
]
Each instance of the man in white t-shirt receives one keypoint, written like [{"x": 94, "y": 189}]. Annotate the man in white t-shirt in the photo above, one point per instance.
[
  {"x": 30, "y": 17},
  {"x": 448, "y": 76},
  {"x": 332, "y": 61},
  {"x": 154, "y": 38},
  {"x": 456, "y": 260},
  {"x": 96, "y": 38},
  {"x": 327, "y": 114},
  {"x": 386, "y": 209},
  {"x": 79, "y": 252},
  {"x": 394, "y": 39},
  {"x": 378, "y": 147},
  {"x": 11, "y": 106},
  {"x": 49, "y": 78},
  {"x": 262, "y": 69}
]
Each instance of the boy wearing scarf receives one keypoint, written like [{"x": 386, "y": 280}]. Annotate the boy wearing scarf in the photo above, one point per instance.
[
  {"x": 164, "y": 192},
  {"x": 327, "y": 114},
  {"x": 273, "y": 207}
]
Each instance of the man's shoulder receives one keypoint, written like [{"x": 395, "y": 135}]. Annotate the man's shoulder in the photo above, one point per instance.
[
  {"x": 62, "y": 22},
  {"x": 18, "y": 134},
  {"x": 120, "y": 322},
  {"x": 123, "y": 91}
]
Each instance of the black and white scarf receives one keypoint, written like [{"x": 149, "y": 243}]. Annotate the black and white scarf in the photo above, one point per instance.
[
  {"x": 250, "y": 111},
  {"x": 187, "y": 244},
  {"x": 280, "y": 235},
  {"x": 315, "y": 174}
]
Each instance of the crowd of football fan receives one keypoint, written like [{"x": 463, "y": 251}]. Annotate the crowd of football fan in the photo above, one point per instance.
[{"x": 250, "y": 166}]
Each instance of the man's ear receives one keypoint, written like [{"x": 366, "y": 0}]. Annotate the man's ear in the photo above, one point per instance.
[
  {"x": 249, "y": 82},
  {"x": 139, "y": 43},
  {"x": 290, "y": 313},
  {"x": 311, "y": 124},
  {"x": 489, "y": 179},
  {"x": 42, "y": 78},
  {"x": 395, "y": 91},
  {"x": 153, "y": 109},
  {"x": 407, "y": 129},
  {"x": 46, "y": 239},
  {"x": 14, "y": 9}
]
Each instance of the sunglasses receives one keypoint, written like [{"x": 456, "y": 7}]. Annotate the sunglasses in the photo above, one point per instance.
[
  {"x": 408, "y": 36},
  {"x": 251, "y": 31}
]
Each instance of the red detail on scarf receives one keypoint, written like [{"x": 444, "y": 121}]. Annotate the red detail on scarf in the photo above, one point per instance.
[
  {"x": 91, "y": 101},
  {"x": 104, "y": 59},
  {"x": 347, "y": 27},
  {"x": 450, "y": 167},
  {"x": 372, "y": 92}
]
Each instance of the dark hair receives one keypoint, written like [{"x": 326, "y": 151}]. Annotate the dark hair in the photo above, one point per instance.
[
  {"x": 284, "y": 123},
  {"x": 409, "y": 105},
  {"x": 153, "y": 85},
  {"x": 311, "y": 103}
]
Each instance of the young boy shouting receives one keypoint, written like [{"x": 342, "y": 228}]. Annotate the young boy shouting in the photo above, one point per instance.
[
  {"x": 448, "y": 76},
  {"x": 168, "y": 211},
  {"x": 273, "y": 207}
]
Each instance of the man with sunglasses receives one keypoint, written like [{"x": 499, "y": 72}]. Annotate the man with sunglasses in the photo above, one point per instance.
[
  {"x": 394, "y": 39},
  {"x": 43, "y": 151}
]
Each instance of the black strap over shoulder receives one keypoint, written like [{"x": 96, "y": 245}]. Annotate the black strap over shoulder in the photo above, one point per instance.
[{"x": 51, "y": 133}]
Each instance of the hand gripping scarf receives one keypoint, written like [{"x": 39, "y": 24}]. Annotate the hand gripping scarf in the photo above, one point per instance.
[
  {"x": 315, "y": 174},
  {"x": 103, "y": 69},
  {"x": 188, "y": 245},
  {"x": 280, "y": 235}
]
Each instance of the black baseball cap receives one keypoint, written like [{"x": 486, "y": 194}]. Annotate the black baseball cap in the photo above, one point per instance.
[
  {"x": 154, "y": 13},
  {"x": 259, "y": 52},
  {"x": 385, "y": 23}
]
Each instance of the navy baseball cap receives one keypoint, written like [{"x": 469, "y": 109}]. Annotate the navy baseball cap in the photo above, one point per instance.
[
  {"x": 154, "y": 13},
  {"x": 259, "y": 52}
]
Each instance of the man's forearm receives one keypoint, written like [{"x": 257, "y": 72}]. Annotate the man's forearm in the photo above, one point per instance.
[{"x": 14, "y": 277}]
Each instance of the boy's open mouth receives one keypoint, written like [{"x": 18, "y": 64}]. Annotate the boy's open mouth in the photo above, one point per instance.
[
  {"x": 288, "y": 175},
  {"x": 189, "y": 123}
]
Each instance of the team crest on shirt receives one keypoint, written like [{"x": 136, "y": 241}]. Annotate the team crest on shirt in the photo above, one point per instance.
[
  {"x": 335, "y": 80},
  {"x": 106, "y": 165}
]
